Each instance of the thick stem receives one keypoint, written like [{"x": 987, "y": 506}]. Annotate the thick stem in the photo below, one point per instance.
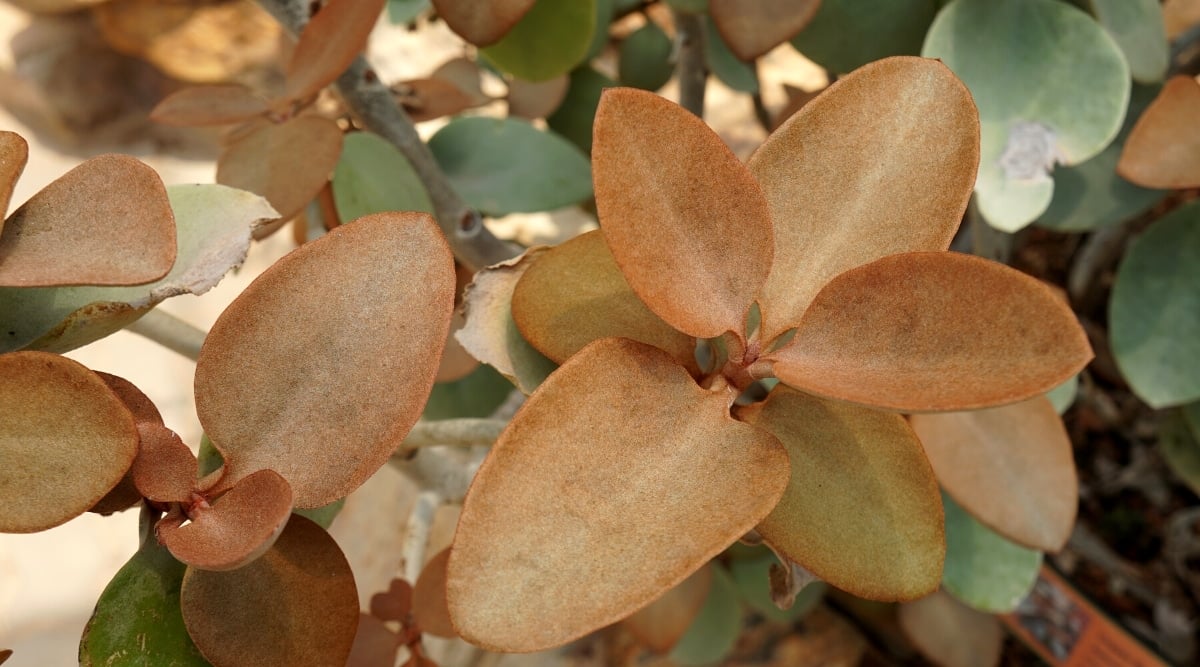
[
  {"x": 692, "y": 70},
  {"x": 450, "y": 432},
  {"x": 170, "y": 332},
  {"x": 416, "y": 533},
  {"x": 447, "y": 470}
]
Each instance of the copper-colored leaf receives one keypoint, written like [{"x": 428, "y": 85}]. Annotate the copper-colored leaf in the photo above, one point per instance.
[
  {"x": 14, "y": 153},
  {"x": 1010, "y": 467},
  {"x": 429, "y": 598},
  {"x": 368, "y": 307},
  {"x": 481, "y": 22},
  {"x": 165, "y": 469},
  {"x": 933, "y": 331},
  {"x": 536, "y": 100},
  {"x": 753, "y": 27},
  {"x": 882, "y": 162},
  {"x": 329, "y": 43},
  {"x": 395, "y": 603},
  {"x": 575, "y": 294},
  {"x": 427, "y": 99},
  {"x": 105, "y": 222},
  {"x": 296, "y": 605},
  {"x": 125, "y": 494},
  {"x": 1163, "y": 150},
  {"x": 685, "y": 220},
  {"x": 287, "y": 163},
  {"x": 619, "y": 471},
  {"x": 235, "y": 530},
  {"x": 862, "y": 510},
  {"x": 65, "y": 437},
  {"x": 212, "y": 105},
  {"x": 951, "y": 634},
  {"x": 661, "y": 624}
]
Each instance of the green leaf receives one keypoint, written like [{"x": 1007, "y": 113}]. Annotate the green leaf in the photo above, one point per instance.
[
  {"x": 1063, "y": 396},
  {"x": 645, "y": 58},
  {"x": 213, "y": 225},
  {"x": 714, "y": 633},
  {"x": 323, "y": 516},
  {"x": 208, "y": 458},
  {"x": 551, "y": 39},
  {"x": 1051, "y": 87},
  {"x": 751, "y": 575},
  {"x": 1154, "y": 315},
  {"x": 574, "y": 117},
  {"x": 847, "y": 34},
  {"x": 725, "y": 66},
  {"x": 405, "y": 11},
  {"x": 505, "y": 165},
  {"x": 477, "y": 395},
  {"x": 1138, "y": 28},
  {"x": 1092, "y": 195},
  {"x": 984, "y": 570},
  {"x": 137, "y": 620},
  {"x": 372, "y": 176},
  {"x": 1180, "y": 446},
  {"x": 604, "y": 16}
]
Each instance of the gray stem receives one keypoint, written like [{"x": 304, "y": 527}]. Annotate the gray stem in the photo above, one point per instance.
[
  {"x": 170, "y": 332},
  {"x": 691, "y": 68}
]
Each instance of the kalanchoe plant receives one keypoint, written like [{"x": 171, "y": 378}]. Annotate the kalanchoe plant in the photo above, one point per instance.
[{"x": 630, "y": 467}]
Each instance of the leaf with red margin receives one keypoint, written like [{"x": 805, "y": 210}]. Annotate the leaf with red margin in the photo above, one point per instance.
[
  {"x": 209, "y": 105},
  {"x": 662, "y": 623},
  {"x": 753, "y": 27},
  {"x": 14, "y": 153},
  {"x": 329, "y": 44},
  {"x": 1162, "y": 148},
  {"x": 429, "y": 598},
  {"x": 933, "y": 331},
  {"x": 482, "y": 22},
  {"x": 619, "y": 471}
]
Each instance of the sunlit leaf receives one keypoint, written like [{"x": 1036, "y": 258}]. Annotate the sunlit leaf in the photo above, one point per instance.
[
  {"x": 753, "y": 27},
  {"x": 846, "y": 34},
  {"x": 372, "y": 176},
  {"x": 714, "y": 633},
  {"x": 329, "y": 418},
  {"x": 933, "y": 331},
  {"x": 1179, "y": 442},
  {"x": 429, "y": 598},
  {"x": 405, "y": 11},
  {"x": 1138, "y": 28},
  {"x": 645, "y": 58},
  {"x": 1154, "y": 315},
  {"x": 573, "y": 118},
  {"x": 329, "y": 43},
  {"x": 66, "y": 440},
  {"x": 752, "y": 578},
  {"x": 213, "y": 226},
  {"x": 951, "y": 634},
  {"x": 725, "y": 65},
  {"x": 1011, "y": 467},
  {"x": 505, "y": 165},
  {"x": 14, "y": 153},
  {"x": 848, "y": 177},
  {"x": 661, "y": 624},
  {"x": 616, "y": 445},
  {"x": 288, "y": 163},
  {"x": 482, "y": 22},
  {"x": 1161, "y": 151},
  {"x": 477, "y": 395},
  {"x": 105, "y": 222},
  {"x": 984, "y": 570},
  {"x": 550, "y": 39},
  {"x": 685, "y": 220},
  {"x": 862, "y": 509},
  {"x": 211, "y": 105},
  {"x": 296, "y": 605},
  {"x": 1052, "y": 88},
  {"x": 575, "y": 294},
  {"x": 165, "y": 469},
  {"x": 536, "y": 100}
]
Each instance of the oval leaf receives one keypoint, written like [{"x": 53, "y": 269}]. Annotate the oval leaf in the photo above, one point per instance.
[
  {"x": 573, "y": 118},
  {"x": 482, "y": 22},
  {"x": 14, "y": 153},
  {"x": 732, "y": 72},
  {"x": 950, "y": 634},
  {"x": 921, "y": 332},
  {"x": 536, "y": 100},
  {"x": 284, "y": 383},
  {"x": 125, "y": 494},
  {"x": 685, "y": 220},
  {"x": 848, "y": 177},
  {"x": 331, "y": 41},
  {"x": 550, "y": 39},
  {"x": 753, "y": 27},
  {"x": 105, "y": 222},
  {"x": 165, "y": 468},
  {"x": 210, "y": 105},
  {"x": 614, "y": 447},
  {"x": 1138, "y": 28},
  {"x": 714, "y": 633},
  {"x": 661, "y": 624},
  {"x": 846, "y": 459},
  {"x": 1161, "y": 152},
  {"x": 1011, "y": 467},
  {"x": 505, "y": 165},
  {"x": 66, "y": 440},
  {"x": 427, "y": 99},
  {"x": 645, "y": 58},
  {"x": 984, "y": 570},
  {"x": 372, "y": 176},
  {"x": 429, "y": 598},
  {"x": 297, "y": 605},
  {"x": 847, "y": 34}
]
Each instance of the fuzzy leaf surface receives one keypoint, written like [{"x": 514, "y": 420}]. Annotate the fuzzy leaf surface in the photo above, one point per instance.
[
  {"x": 1161, "y": 151},
  {"x": 165, "y": 469},
  {"x": 14, "y": 153},
  {"x": 329, "y": 43}
]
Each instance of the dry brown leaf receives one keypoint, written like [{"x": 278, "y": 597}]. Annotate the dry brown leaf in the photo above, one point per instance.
[
  {"x": 14, "y": 153},
  {"x": 456, "y": 362},
  {"x": 288, "y": 163},
  {"x": 685, "y": 220},
  {"x": 165, "y": 468},
  {"x": 662, "y": 623},
  {"x": 429, "y": 598},
  {"x": 125, "y": 494},
  {"x": 536, "y": 100},
  {"x": 951, "y": 634},
  {"x": 862, "y": 510},
  {"x": 66, "y": 440},
  {"x": 618, "y": 471},
  {"x": 105, "y": 222},
  {"x": 427, "y": 99},
  {"x": 1163, "y": 150},
  {"x": 882, "y": 162},
  {"x": 933, "y": 331},
  {"x": 753, "y": 27},
  {"x": 329, "y": 43},
  {"x": 575, "y": 294},
  {"x": 296, "y": 605},
  {"x": 369, "y": 304},
  {"x": 481, "y": 22},
  {"x": 210, "y": 105},
  {"x": 1010, "y": 467},
  {"x": 465, "y": 74}
]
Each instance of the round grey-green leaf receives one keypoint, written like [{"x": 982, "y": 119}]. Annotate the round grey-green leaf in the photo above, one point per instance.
[
  {"x": 984, "y": 570},
  {"x": 1051, "y": 86},
  {"x": 551, "y": 39},
  {"x": 714, "y": 632},
  {"x": 1154, "y": 315},
  {"x": 725, "y": 66},
  {"x": 1138, "y": 28},
  {"x": 505, "y": 165},
  {"x": 847, "y": 34},
  {"x": 373, "y": 176},
  {"x": 645, "y": 58},
  {"x": 574, "y": 117},
  {"x": 752, "y": 577}
]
